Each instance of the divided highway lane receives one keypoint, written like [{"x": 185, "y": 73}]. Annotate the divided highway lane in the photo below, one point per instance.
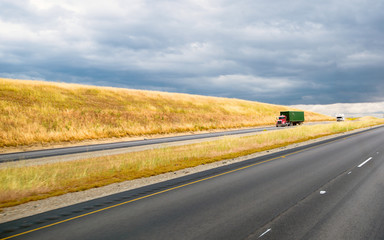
[
  {"x": 8, "y": 157},
  {"x": 330, "y": 190},
  {"x": 108, "y": 146}
]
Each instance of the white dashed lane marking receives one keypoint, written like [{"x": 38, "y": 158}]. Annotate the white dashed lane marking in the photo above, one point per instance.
[
  {"x": 269, "y": 229},
  {"x": 364, "y": 162}
]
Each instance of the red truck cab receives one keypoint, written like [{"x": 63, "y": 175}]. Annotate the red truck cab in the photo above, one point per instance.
[{"x": 281, "y": 121}]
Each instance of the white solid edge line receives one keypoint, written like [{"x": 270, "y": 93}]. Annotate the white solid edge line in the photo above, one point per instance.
[
  {"x": 365, "y": 162},
  {"x": 265, "y": 233}
]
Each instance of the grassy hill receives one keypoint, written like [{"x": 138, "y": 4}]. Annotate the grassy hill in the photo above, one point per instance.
[{"x": 33, "y": 112}]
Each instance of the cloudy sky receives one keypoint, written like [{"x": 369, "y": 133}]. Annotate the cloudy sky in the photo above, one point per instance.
[
  {"x": 375, "y": 109},
  {"x": 281, "y": 52}
]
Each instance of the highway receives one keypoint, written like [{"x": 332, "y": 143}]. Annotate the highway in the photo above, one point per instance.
[
  {"x": 44, "y": 153},
  {"x": 327, "y": 190},
  {"x": 117, "y": 145}
]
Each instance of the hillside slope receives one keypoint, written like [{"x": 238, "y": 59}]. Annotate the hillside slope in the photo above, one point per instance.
[{"x": 34, "y": 112}]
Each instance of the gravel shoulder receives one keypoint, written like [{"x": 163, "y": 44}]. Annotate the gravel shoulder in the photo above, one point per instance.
[{"x": 35, "y": 207}]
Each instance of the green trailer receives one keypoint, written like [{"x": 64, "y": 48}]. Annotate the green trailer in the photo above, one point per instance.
[{"x": 289, "y": 118}]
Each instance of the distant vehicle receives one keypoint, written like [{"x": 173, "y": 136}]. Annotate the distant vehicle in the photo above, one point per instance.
[
  {"x": 290, "y": 118},
  {"x": 340, "y": 117}
]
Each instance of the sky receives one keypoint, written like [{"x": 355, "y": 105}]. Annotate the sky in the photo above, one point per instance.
[
  {"x": 349, "y": 110},
  {"x": 280, "y": 52}
]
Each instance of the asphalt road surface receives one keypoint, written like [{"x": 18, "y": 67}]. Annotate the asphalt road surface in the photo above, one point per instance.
[{"x": 328, "y": 190}]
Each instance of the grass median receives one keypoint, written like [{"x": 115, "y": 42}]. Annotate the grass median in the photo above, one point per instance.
[{"x": 27, "y": 183}]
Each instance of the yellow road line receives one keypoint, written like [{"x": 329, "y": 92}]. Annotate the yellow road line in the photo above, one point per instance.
[
  {"x": 136, "y": 199},
  {"x": 167, "y": 190}
]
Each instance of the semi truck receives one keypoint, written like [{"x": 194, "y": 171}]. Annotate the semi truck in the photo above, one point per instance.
[
  {"x": 339, "y": 117},
  {"x": 290, "y": 118}
]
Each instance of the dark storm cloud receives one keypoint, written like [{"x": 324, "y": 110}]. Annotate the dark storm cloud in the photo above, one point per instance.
[{"x": 283, "y": 52}]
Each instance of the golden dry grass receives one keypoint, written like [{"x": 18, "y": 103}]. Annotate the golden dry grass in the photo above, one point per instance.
[
  {"x": 367, "y": 118},
  {"x": 26, "y": 183},
  {"x": 33, "y": 112}
]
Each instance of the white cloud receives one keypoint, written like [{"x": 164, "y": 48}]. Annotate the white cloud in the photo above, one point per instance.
[
  {"x": 361, "y": 59},
  {"x": 375, "y": 109}
]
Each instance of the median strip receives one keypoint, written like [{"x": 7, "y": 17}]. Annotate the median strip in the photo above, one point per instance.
[{"x": 27, "y": 183}]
